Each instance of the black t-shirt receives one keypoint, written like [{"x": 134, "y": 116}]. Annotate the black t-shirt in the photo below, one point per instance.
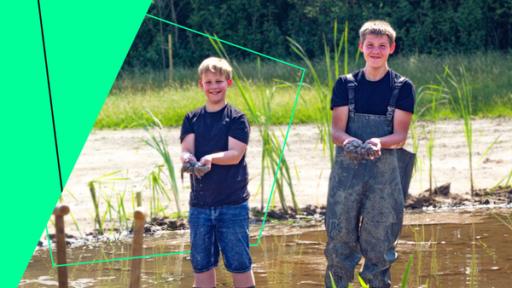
[
  {"x": 372, "y": 97},
  {"x": 223, "y": 184}
]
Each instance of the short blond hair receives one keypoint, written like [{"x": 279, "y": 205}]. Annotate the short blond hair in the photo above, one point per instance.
[
  {"x": 217, "y": 65},
  {"x": 379, "y": 28}
]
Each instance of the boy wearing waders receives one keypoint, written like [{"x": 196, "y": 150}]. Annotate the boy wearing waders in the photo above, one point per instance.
[
  {"x": 217, "y": 134},
  {"x": 371, "y": 112}
]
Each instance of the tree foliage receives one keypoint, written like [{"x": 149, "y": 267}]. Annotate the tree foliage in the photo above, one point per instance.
[{"x": 423, "y": 26}]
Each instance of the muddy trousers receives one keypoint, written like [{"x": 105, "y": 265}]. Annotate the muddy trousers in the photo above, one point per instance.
[{"x": 364, "y": 217}]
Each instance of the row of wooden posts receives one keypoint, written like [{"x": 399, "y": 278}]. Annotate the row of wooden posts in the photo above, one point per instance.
[{"x": 138, "y": 236}]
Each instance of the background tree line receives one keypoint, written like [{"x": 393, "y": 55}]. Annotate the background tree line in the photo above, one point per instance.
[{"x": 423, "y": 27}]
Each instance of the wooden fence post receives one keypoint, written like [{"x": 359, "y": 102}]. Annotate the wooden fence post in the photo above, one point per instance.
[
  {"x": 59, "y": 212},
  {"x": 138, "y": 235}
]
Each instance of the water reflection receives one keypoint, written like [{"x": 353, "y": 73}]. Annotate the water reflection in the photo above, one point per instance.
[{"x": 476, "y": 252}]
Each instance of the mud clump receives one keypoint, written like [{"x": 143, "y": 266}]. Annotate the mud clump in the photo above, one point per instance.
[
  {"x": 159, "y": 224},
  {"x": 70, "y": 240},
  {"x": 498, "y": 194},
  {"x": 442, "y": 197},
  {"x": 358, "y": 151},
  {"x": 307, "y": 213}
]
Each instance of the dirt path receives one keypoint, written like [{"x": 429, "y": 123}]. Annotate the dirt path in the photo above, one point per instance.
[{"x": 110, "y": 150}]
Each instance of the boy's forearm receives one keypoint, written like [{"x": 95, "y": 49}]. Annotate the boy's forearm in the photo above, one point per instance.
[
  {"x": 393, "y": 141},
  {"x": 187, "y": 148},
  {"x": 339, "y": 137},
  {"x": 229, "y": 157}
]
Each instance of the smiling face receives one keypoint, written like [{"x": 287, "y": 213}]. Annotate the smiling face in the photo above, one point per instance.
[
  {"x": 214, "y": 86},
  {"x": 376, "y": 50}
]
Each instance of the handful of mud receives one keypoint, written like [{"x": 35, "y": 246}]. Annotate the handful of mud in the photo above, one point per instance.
[
  {"x": 358, "y": 151},
  {"x": 194, "y": 168}
]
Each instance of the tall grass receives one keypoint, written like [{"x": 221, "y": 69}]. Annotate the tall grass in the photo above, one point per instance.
[
  {"x": 158, "y": 189},
  {"x": 322, "y": 86},
  {"x": 436, "y": 93},
  {"x": 433, "y": 258},
  {"x": 419, "y": 239},
  {"x": 157, "y": 141},
  {"x": 430, "y": 148},
  {"x": 405, "y": 276},
  {"x": 118, "y": 208},
  {"x": 461, "y": 100}
]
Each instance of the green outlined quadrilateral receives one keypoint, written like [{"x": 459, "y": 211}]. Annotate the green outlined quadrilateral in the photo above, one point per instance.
[{"x": 276, "y": 172}]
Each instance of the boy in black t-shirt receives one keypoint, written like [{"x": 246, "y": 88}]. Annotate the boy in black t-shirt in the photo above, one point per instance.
[
  {"x": 217, "y": 134},
  {"x": 371, "y": 108}
]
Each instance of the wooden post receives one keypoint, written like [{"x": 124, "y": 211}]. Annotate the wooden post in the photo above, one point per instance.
[
  {"x": 59, "y": 212},
  {"x": 138, "y": 235},
  {"x": 171, "y": 62}
]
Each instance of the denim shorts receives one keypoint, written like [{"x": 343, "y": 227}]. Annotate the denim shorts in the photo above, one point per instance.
[{"x": 216, "y": 229}]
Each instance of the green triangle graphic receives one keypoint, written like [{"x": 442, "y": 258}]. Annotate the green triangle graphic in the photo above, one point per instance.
[
  {"x": 86, "y": 43},
  {"x": 30, "y": 178}
]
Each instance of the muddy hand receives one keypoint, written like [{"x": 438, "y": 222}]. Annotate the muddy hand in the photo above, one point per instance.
[
  {"x": 187, "y": 157},
  {"x": 195, "y": 168},
  {"x": 375, "y": 151},
  {"x": 200, "y": 170},
  {"x": 205, "y": 165},
  {"x": 353, "y": 150}
]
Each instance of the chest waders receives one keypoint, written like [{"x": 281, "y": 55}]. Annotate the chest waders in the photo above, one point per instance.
[{"x": 366, "y": 200}]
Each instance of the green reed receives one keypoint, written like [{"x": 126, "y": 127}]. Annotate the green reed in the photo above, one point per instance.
[
  {"x": 404, "y": 283},
  {"x": 461, "y": 95},
  {"x": 473, "y": 269},
  {"x": 361, "y": 281},
  {"x": 260, "y": 114},
  {"x": 94, "y": 189},
  {"x": 419, "y": 256},
  {"x": 157, "y": 187},
  {"x": 322, "y": 90},
  {"x": 433, "y": 257},
  {"x": 97, "y": 219},
  {"x": 157, "y": 141},
  {"x": 419, "y": 239},
  {"x": 504, "y": 219},
  {"x": 415, "y": 132},
  {"x": 438, "y": 96},
  {"x": 71, "y": 214},
  {"x": 405, "y": 276},
  {"x": 505, "y": 181},
  {"x": 430, "y": 148}
]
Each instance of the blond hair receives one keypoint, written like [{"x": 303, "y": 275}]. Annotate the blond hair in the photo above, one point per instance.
[
  {"x": 379, "y": 28},
  {"x": 217, "y": 65}
]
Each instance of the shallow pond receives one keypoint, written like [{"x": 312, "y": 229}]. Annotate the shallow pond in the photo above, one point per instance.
[{"x": 454, "y": 249}]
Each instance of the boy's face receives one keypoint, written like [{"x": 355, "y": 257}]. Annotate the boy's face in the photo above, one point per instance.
[
  {"x": 214, "y": 85},
  {"x": 376, "y": 50}
]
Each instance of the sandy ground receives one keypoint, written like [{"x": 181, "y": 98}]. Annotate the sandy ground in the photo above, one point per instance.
[{"x": 110, "y": 150}]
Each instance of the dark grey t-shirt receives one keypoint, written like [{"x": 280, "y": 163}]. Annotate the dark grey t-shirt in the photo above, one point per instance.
[
  {"x": 223, "y": 184},
  {"x": 372, "y": 97}
]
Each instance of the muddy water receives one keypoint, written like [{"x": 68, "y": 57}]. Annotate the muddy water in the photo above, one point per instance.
[{"x": 465, "y": 249}]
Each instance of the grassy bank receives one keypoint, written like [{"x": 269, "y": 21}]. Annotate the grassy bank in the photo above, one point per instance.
[{"x": 133, "y": 93}]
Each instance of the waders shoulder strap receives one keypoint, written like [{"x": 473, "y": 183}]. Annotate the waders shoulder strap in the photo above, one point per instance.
[
  {"x": 397, "y": 81},
  {"x": 351, "y": 86}
]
